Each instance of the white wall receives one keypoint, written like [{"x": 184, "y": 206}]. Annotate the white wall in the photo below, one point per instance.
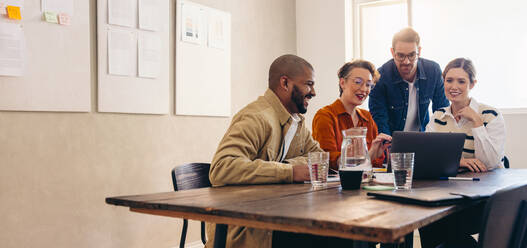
[
  {"x": 323, "y": 38},
  {"x": 516, "y": 139}
]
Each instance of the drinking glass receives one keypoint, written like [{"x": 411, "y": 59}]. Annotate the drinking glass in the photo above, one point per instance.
[
  {"x": 403, "y": 170},
  {"x": 318, "y": 163}
]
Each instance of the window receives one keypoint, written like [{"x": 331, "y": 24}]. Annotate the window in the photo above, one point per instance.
[
  {"x": 376, "y": 31},
  {"x": 490, "y": 33}
]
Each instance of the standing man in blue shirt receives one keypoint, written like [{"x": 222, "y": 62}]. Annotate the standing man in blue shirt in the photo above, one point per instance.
[{"x": 400, "y": 99}]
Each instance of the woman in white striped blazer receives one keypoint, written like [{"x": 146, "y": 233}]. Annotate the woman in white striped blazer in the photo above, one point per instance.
[
  {"x": 483, "y": 124},
  {"x": 482, "y": 151}
]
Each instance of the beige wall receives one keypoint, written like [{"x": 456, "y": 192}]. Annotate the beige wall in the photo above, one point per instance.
[{"x": 57, "y": 168}]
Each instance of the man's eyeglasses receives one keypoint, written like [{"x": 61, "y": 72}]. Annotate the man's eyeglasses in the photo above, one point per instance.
[
  {"x": 359, "y": 82},
  {"x": 401, "y": 57}
]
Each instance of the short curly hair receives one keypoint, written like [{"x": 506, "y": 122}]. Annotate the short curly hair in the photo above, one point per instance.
[{"x": 358, "y": 63}]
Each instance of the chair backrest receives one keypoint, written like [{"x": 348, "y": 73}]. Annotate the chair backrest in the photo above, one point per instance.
[
  {"x": 191, "y": 176},
  {"x": 505, "y": 162},
  {"x": 505, "y": 219}
]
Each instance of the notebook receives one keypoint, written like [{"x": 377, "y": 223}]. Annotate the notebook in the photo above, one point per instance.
[
  {"x": 429, "y": 196},
  {"x": 436, "y": 154}
]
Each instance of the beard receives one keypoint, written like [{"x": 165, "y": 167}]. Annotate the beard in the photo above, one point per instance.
[{"x": 298, "y": 99}]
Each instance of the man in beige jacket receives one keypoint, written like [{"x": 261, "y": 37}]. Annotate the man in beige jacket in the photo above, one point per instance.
[{"x": 267, "y": 142}]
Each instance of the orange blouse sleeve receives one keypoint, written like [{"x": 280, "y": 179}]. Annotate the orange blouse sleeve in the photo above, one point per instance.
[{"x": 324, "y": 131}]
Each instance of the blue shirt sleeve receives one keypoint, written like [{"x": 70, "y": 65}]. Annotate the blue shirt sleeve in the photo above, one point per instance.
[{"x": 378, "y": 107}]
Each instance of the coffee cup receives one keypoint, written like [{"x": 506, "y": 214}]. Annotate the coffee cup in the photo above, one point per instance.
[{"x": 350, "y": 179}]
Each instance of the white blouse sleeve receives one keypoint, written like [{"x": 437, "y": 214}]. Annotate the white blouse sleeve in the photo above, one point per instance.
[
  {"x": 489, "y": 142},
  {"x": 430, "y": 127}
]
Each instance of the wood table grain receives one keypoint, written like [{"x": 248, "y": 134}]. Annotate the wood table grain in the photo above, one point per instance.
[{"x": 328, "y": 212}]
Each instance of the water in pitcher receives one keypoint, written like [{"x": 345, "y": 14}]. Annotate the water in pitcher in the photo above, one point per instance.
[{"x": 354, "y": 153}]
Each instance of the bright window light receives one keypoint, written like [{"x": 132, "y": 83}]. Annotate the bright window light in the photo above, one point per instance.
[
  {"x": 491, "y": 33},
  {"x": 378, "y": 22}
]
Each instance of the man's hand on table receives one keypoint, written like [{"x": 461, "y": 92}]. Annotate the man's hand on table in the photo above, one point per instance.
[{"x": 300, "y": 173}]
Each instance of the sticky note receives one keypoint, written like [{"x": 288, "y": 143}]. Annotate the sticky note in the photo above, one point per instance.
[
  {"x": 13, "y": 12},
  {"x": 3, "y": 10},
  {"x": 50, "y": 17},
  {"x": 64, "y": 19}
]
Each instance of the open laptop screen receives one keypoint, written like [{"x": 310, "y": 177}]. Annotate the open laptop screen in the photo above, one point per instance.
[{"x": 436, "y": 154}]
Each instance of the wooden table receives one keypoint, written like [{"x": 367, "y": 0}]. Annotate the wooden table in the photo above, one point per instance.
[{"x": 299, "y": 208}]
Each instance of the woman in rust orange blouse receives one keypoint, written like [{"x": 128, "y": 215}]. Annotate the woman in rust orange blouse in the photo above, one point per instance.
[{"x": 356, "y": 80}]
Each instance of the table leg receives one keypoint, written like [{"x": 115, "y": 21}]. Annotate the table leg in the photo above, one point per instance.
[
  {"x": 220, "y": 236},
  {"x": 408, "y": 242}
]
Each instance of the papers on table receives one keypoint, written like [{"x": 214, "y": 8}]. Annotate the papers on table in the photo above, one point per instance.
[
  {"x": 333, "y": 179},
  {"x": 380, "y": 178},
  {"x": 330, "y": 180},
  {"x": 383, "y": 178},
  {"x": 12, "y": 49}
]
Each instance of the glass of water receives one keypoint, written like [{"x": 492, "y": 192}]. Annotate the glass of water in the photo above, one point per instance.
[
  {"x": 318, "y": 163},
  {"x": 403, "y": 170}
]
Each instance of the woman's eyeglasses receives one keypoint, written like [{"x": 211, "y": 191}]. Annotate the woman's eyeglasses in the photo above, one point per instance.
[{"x": 359, "y": 82}]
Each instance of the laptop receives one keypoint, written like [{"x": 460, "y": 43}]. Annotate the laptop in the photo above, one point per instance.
[
  {"x": 436, "y": 154},
  {"x": 428, "y": 196}
]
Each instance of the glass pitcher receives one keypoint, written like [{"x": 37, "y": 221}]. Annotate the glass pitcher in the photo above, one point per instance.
[{"x": 354, "y": 152}]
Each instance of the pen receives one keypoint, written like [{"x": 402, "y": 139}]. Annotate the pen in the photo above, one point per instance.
[{"x": 460, "y": 178}]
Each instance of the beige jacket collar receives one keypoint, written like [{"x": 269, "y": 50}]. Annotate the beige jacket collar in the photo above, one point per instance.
[{"x": 281, "y": 111}]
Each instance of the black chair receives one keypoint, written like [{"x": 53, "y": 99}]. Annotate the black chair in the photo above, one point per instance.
[
  {"x": 505, "y": 162},
  {"x": 505, "y": 219},
  {"x": 191, "y": 176}
]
